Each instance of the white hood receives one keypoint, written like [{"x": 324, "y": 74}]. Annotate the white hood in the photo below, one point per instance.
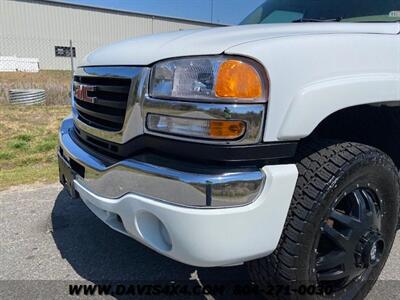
[{"x": 149, "y": 49}]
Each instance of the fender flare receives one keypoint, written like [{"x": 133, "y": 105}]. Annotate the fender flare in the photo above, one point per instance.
[{"x": 317, "y": 101}]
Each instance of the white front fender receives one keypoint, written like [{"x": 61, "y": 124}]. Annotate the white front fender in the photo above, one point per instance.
[
  {"x": 314, "y": 76},
  {"x": 316, "y": 102}
]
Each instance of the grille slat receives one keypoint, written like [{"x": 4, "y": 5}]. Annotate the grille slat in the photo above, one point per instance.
[
  {"x": 110, "y": 103},
  {"x": 113, "y": 89},
  {"x": 98, "y": 107},
  {"x": 103, "y": 102},
  {"x": 107, "y": 117},
  {"x": 82, "y": 117}
]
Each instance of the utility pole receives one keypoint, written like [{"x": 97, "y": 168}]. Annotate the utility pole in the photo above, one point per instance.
[{"x": 212, "y": 10}]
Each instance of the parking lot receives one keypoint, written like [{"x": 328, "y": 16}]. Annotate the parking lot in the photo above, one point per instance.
[{"x": 49, "y": 241}]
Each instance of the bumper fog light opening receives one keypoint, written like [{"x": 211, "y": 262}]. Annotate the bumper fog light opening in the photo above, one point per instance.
[{"x": 153, "y": 231}]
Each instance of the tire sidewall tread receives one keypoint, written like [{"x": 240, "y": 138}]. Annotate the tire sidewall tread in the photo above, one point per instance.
[{"x": 324, "y": 167}]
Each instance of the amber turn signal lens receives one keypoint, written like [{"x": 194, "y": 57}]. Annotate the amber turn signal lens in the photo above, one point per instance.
[
  {"x": 237, "y": 79},
  {"x": 226, "y": 129}
]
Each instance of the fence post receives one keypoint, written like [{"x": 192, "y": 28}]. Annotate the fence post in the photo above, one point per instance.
[{"x": 71, "y": 52}]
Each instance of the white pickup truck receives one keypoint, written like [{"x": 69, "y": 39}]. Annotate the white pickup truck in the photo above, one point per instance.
[{"x": 275, "y": 143}]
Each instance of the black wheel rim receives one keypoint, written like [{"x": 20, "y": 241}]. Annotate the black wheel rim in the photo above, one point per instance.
[{"x": 351, "y": 242}]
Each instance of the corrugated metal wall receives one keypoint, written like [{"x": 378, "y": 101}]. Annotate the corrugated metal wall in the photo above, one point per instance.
[{"x": 34, "y": 28}]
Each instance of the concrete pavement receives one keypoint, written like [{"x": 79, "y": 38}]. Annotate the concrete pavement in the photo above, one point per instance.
[{"x": 48, "y": 240}]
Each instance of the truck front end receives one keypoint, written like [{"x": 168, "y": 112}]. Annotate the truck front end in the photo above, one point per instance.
[
  {"x": 171, "y": 154},
  {"x": 222, "y": 146}
]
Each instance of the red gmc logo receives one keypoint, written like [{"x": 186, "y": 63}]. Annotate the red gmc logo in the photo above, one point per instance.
[{"x": 81, "y": 92}]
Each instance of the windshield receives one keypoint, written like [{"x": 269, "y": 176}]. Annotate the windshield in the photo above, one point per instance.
[{"x": 288, "y": 11}]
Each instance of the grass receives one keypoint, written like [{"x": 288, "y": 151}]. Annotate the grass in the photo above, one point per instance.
[
  {"x": 4, "y": 155},
  {"x": 17, "y": 144},
  {"x": 28, "y": 143},
  {"x": 55, "y": 83},
  {"x": 24, "y": 137}
]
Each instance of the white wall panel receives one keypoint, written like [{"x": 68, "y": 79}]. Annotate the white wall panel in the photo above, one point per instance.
[{"x": 33, "y": 28}]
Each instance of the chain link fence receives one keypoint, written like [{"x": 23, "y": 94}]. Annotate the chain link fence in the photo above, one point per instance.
[
  {"x": 27, "y": 63},
  {"x": 14, "y": 64},
  {"x": 51, "y": 53},
  {"x": 55, "y": 83}
]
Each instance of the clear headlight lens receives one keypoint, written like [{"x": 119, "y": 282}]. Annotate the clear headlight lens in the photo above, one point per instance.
[{"x": 208, "y": 78}]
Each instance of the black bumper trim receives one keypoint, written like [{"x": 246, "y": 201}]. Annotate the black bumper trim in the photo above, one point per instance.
[{"x": 264, "y": 152}]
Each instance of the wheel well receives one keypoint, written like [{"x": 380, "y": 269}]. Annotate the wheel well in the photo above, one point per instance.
[{"x": 377, "y": 126}]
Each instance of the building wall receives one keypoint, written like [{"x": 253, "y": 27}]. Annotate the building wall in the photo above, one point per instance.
[{"x": 33, "y": 28}]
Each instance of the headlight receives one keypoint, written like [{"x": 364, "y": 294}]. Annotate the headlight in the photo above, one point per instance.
[
  {"x": 197, "y": 128},
  {"x": 209, "y": 78}
]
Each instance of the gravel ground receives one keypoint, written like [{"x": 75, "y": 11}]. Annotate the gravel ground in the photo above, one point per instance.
[{"x": 48, "y": 241}]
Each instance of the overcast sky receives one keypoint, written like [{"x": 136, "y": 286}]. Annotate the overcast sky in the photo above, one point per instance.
[{"x": 220, "y": 11}]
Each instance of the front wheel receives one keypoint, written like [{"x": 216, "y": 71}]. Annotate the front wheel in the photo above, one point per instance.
[{"x": 340, "y": 227}]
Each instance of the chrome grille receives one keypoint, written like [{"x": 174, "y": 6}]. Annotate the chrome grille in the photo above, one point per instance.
[{"x": 101, "y": 102}]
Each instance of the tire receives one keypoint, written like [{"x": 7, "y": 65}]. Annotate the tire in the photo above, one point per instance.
[{"x": 358, "y": 181}]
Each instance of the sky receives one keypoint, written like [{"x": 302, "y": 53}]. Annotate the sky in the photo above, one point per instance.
[{"x": 219, "y": 11}]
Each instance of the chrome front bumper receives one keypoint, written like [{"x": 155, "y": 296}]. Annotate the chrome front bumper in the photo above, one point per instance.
[{"x": 154, "y": 177}]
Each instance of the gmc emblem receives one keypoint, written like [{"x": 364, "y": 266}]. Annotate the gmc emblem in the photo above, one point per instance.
[{"x": 81, "y": 92}]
